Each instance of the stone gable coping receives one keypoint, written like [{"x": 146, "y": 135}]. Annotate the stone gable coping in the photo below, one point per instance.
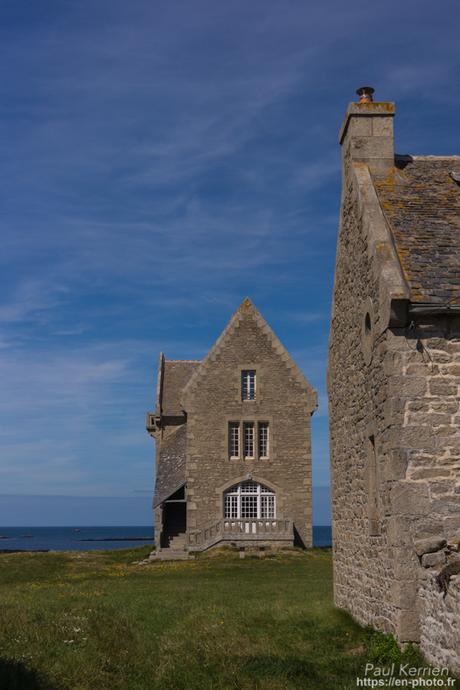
[
  {"x": 394, "y": 289},
  {"x": 160, "y": 377},
  {"x": 245, "y": 309}
]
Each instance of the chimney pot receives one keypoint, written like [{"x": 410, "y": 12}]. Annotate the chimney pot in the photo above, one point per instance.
[{"x": 365, "y": 94}]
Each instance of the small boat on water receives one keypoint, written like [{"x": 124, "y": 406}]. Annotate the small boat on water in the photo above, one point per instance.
[{"x": 76, "y": 529}]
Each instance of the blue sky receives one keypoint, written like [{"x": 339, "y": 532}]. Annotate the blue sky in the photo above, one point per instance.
[{"x": 161, "y": 161}]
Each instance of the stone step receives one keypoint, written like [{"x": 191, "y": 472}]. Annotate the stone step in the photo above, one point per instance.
[{"x": 171, "y": 555}]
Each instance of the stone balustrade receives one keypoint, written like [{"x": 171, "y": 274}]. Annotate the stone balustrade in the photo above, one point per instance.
[{"x": 242, "y": 530}]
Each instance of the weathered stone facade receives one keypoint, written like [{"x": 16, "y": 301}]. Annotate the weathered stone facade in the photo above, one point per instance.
[
  {"x": 394, "y": 383},
  {"x": 440, "y": 621},
  {"x": 205, "y": 400}
]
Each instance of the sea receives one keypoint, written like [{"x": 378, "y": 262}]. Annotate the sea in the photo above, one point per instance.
[{"x": 96, "y": 538}]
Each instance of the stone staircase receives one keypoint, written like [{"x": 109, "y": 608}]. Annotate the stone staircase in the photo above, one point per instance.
[
  {"x": 244, "y": 533},
  {"x": 176, "y": 551},
  {"x": 178, "y": 542}
]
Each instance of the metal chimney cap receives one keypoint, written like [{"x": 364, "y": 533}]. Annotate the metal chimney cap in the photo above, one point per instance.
[{"x": 365, "y": 94}]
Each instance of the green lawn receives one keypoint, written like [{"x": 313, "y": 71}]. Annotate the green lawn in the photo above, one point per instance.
[{"x": 98, "y": 621}]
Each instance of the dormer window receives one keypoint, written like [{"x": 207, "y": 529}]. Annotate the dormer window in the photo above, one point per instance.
[{"x": 248, "y": 384}]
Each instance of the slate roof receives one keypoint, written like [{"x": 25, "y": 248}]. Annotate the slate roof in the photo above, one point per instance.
[
  {"x": 421, "y": 202},
  {"x": 176, "y": 375},
  {"x": 170, "y": 474}
]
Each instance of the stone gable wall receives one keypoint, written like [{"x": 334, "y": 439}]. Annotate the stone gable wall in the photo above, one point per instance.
[
  {"x": 402, "y": 386},
  {"x": 281, "y": 400},
  {"x": 394, "y": 399},
  {"x": 363, "y": 569}
]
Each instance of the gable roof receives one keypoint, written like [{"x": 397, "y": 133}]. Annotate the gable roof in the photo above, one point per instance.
[
  {"x": 174, "y": 375},
  {"x": 247, "y": 310},
  {"x": 420, "y": 200}
]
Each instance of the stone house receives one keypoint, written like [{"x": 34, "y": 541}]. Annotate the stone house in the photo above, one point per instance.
[
  {"x": 394, "y": 383},
  {"x": 232, "y": 432}
]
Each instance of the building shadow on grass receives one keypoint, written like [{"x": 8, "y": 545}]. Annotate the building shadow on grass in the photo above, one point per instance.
[{"x": 15, "y": 676}]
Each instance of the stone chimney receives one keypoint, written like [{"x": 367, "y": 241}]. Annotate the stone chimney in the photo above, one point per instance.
[{"x": 367, "y": 132}]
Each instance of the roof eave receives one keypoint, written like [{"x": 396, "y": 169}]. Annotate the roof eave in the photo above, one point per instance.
[{"x": 431, "y": 309}]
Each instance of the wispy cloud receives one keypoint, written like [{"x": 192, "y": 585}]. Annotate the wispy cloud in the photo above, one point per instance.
[
  {"x": 164, "y": 161},
  {"x": 31, "y": 301}
]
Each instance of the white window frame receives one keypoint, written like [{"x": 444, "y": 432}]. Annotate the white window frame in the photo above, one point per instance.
[
  {"x": 248, "y": 384},
  {"x": 249, "y": 440},
  {"x": 234, "y": 441},
  {"x": 265, "y": 498},
  {"x": 263, "y": 426}
]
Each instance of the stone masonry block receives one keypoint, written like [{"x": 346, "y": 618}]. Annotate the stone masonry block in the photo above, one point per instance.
[
  {"x": 396, "y": 465},
  {"x": 382, "y": 127},
  {"x": 429, "y": 545},
  {"x": 399, "y": 531},
  {"x": 407, "y": 386},
  {"x": 409, "y": 498},
  {"x": 443, "y": 388},
  {"x": 404, "y": 593},
  {"x": 408, "y": 626},
  {"x": 429, "y": 560}
]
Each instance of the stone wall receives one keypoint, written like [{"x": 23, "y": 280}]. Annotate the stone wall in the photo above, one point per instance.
[
  {"x": 394, "y": 405},
  {"x": 429, "y": 366},
  {"x": 440, "y": 621},
  {"x": 282, "y": 400},
  {"x": 358, "y": 393},
  {"x": 407, "y": 398},
  {"x": 430, "y": 439},
  {"x": 394, "y": 398}
]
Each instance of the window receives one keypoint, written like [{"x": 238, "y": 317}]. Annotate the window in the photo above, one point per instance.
[
  {"x": 231, "y": 506},
  {"x": 249, "y": 440},
  {"x": 248, "y": 384},
  {"x": 263, "y": 440},
  {"x": 267, "y": 506},
  {"x": 248, "y": 487},
  {"x": 234, "y": 439},
  {"x": 367, "y": 330},
  {"x": 373, "y": 489},
  {"x": 249, "y": 506},
  {"x": 249, "y": 500}
]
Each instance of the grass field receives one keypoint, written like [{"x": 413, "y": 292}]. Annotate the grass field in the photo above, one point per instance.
[{"x": 96, "y": 621}]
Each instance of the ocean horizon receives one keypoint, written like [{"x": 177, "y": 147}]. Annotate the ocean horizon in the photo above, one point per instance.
[{"x": 78, "y": 538}]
